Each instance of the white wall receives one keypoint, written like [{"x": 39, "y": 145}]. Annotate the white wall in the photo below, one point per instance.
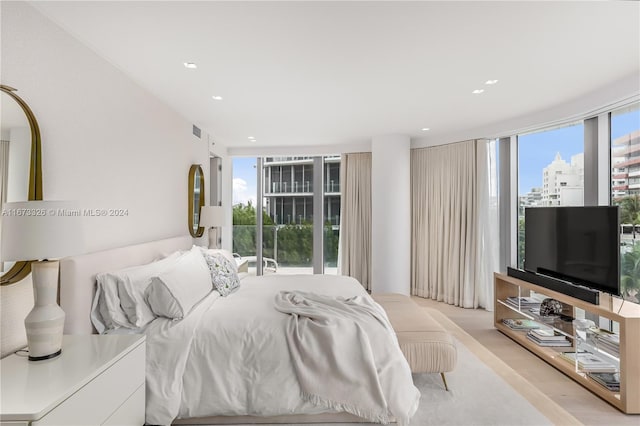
[
  {"x": 219, "y": 150},
  {"x": 19, "y": 160},
  {"x": 105, "y": 141},
  {"x": 391, "y": 214}
]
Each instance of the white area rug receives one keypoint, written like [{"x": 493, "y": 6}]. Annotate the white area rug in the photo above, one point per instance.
[{"x": 477, "y": 396}]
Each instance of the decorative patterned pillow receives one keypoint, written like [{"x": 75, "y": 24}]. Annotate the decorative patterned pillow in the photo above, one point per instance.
[{"x": 224, "y": 273}]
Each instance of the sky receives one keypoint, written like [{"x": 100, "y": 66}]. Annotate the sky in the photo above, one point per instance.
[
  {"x": 244, "y": 180},
  {"x": 535, "y": 152}
]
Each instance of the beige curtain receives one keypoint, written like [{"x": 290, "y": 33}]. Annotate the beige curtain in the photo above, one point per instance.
[
  {"x": 448, "y": 198},
  {"x": 354, "y": 257}
]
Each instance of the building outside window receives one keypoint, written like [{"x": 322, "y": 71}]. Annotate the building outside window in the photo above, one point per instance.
[
  {"x": 550, "y": 172},
  {"x": 288, "y": 195},
  {"x": 625, "y": 192}
]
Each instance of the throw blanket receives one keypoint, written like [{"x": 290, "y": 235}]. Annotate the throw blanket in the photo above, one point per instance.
[{"x": 346, "y": 356}]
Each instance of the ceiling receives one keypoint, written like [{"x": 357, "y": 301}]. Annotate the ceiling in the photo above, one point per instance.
[{"x": 325, "y": 73}]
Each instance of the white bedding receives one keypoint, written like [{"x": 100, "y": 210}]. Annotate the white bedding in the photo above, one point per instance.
[
  {"x": 229, "y": 356},
  {"x": 346, "y": 356}
]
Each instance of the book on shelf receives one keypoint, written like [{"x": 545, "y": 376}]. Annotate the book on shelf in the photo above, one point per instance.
[
  {"x": 563, "y": 341},
  {"x": 605, "y": 340},
  {"x": 520, "y": 323},
  {"x": 610, "y": 381},
  {"x": 523, "y": 302},
  {"x": 589, "y": 362},
  {"x": 547, "y": 333}
]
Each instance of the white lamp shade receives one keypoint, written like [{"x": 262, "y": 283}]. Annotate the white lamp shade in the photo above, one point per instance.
[
  {"x": 211, "y": 216},
  {"x": 36, "y": 230}
]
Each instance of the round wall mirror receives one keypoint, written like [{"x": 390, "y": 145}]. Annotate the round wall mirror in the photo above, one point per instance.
[
  {"x": 20, "y": 166},
  {"x": 196, "y": 199}
]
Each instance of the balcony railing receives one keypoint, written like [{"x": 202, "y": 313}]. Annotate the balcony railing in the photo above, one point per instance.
[
  {"x": 299, "y": 187},
  {"x": 290, "y": 188},
  {"x": 332, "y": 187},
  {"x": 288, "y": 245}
]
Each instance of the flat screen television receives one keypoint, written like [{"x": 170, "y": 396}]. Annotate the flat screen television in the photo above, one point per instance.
[{"x": 580, "y": 245}]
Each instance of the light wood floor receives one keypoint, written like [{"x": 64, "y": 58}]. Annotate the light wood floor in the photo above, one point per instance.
[{"x": 578, "y": 401}]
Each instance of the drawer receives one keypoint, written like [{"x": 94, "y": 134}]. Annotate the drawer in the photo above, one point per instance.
[
  {"x": 100, "y": 398},
  {"x": 131, "y": 412}
]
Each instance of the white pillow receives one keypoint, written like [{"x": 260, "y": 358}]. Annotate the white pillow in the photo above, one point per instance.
[
  {"x": 106, "y": 312},
  {"x": 175, "y": 292},
  {"x": 225, "y": 253},
  {"x": 132, "y": 284}
]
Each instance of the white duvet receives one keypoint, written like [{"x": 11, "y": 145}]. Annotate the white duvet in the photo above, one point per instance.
[{"x": 229, "y": 356}]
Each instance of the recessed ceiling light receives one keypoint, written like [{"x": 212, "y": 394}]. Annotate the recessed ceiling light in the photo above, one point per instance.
[
  {"x": 217, "y": 98},
  {"x": 424, "y": 129},
  {"x": 477, "y": 91},
  {"x": 252, "y": 138},
  {"x": 491, "y": 82},
  {"x": 190, "y": 65}
]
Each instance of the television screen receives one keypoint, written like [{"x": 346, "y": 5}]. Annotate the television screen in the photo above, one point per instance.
[{"x": 576, "y": 244}]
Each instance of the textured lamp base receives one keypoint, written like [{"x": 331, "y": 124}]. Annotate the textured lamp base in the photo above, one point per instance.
[
  {"x": 214, "y": 239},
  {"x": 45, "y": 322}
]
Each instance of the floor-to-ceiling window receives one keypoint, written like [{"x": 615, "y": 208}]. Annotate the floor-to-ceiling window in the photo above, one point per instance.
[
  {"x": 288, "y": 197},
  {"x": 244, "y": 206},
  {"x": 288, "y": 204},
  {"x": 625, "y": 192},
  {"x": 550, "y": 172}
]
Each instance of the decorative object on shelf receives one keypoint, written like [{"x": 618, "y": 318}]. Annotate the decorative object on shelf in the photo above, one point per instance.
[
  {"x": 550, "y": 307},
  {"x": 212, "y": 218},
  {"x": 196, "y": 199},
  {"x": 39, "y": 231}
]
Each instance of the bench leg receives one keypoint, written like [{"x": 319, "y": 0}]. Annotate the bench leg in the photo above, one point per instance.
[{"x": 444, "y": 380}]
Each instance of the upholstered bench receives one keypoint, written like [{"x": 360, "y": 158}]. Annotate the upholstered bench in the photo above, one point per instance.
[{"x": 428, "y": 347}]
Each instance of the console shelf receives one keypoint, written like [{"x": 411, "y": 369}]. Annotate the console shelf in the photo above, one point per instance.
[{"x": 625, "y": 314}]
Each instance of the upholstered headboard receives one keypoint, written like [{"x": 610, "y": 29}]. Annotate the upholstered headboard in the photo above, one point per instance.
[{"x": 78, "y": 276}]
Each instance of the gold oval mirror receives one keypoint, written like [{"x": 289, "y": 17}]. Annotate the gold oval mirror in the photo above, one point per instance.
[
  {"x": 20, "y": 166},
  {"x": 196, "y": 199}
]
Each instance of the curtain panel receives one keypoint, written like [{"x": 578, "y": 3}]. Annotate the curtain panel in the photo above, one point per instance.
[
  {"x": 452, "y": 246},
  {"x": 354, "y": 252}
]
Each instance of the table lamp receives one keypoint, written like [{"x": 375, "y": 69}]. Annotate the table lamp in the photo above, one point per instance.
[
  {"x": 212, "y": 217},
  {"x": 42, "y": 231}
]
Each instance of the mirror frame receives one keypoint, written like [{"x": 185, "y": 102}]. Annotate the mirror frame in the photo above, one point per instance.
[
  {"x": 192, "y": 181},
  {"x": 21, "y": 269}
]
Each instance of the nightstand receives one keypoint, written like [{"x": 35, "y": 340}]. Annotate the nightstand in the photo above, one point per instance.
[{"x": 97, "y": 380}]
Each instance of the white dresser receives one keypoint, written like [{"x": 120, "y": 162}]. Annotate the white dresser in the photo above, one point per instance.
[{"x": 98, "y": 380}]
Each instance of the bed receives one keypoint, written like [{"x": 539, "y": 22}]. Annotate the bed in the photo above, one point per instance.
[{"x": 233, "y": 358}]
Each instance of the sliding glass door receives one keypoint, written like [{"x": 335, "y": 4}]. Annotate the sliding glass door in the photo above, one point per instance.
[{"x": 299, "y": 198}]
